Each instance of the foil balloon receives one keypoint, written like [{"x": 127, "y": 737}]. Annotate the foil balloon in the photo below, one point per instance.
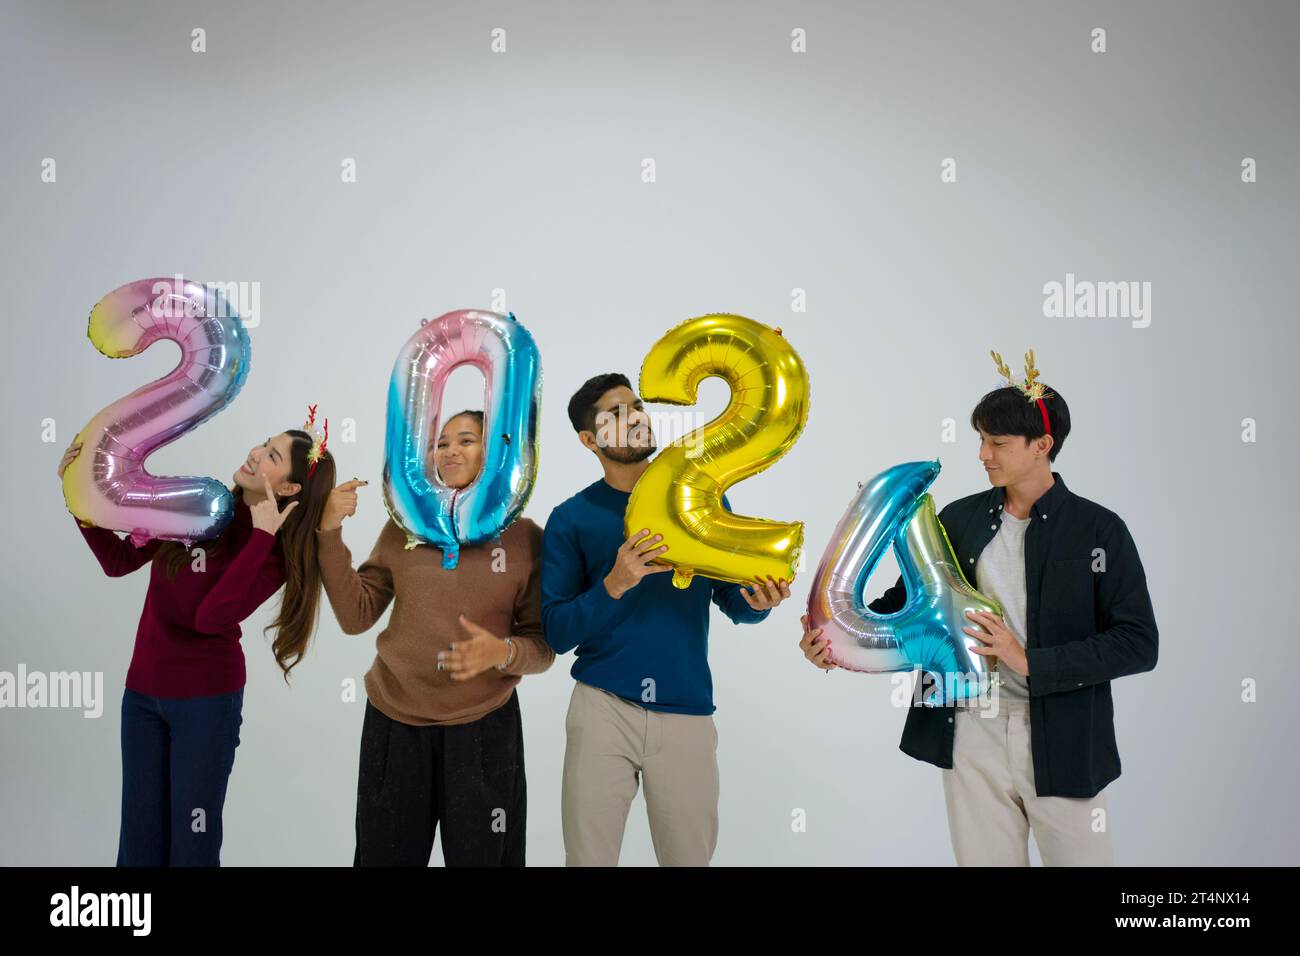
[
  {"x": 107, "y": 484},
  {"x": 429, "y": 511},
  {"x": 680, "y": 494},
  {"x": 894, "y": 510}
]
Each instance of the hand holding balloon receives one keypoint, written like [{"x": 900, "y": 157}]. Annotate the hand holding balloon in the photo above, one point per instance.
[
  {"x": 1002, "y": 644},
  {"x": 765, "y": 595},
  {"x": 815, "y": 647},
  {"x": 68, "y": 456},
  {"x": 632, "y": 563},
  {"x": 342, "y": 503}
]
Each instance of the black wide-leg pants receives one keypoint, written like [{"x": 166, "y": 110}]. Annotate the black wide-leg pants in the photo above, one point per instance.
[{"x": 467, "y": 777}]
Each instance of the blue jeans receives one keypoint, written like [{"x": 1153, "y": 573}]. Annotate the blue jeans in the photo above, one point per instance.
[{"x": 176, "y": 761}]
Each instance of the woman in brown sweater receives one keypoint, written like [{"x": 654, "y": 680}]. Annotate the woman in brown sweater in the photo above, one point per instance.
[{"x": 442, "y": 740}]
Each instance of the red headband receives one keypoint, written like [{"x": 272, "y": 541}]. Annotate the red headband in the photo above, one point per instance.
[{"x": 1047, "y": 425}]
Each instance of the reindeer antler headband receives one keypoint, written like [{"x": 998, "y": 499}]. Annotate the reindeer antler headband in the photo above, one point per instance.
[
  {"x": 318, "y": 440},
  {"x": 1032, "y": 389}
]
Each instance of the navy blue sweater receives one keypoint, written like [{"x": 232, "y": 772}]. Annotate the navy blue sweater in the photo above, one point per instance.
[{"x": 651, "y": 646}]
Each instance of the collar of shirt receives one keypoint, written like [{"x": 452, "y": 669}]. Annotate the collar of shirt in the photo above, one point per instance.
[{"x": 1047, "y": 502}]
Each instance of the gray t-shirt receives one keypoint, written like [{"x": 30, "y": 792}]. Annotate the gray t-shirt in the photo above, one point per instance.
[{"x": 1000, "y": 574}]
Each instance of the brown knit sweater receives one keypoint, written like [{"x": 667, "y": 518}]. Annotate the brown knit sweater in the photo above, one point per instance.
[{"x": 496, "y": 585}]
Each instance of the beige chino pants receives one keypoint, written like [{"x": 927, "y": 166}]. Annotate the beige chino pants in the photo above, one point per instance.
[
  {"x": 992, "y": 806},
  {"x": 612, "y": 746}
]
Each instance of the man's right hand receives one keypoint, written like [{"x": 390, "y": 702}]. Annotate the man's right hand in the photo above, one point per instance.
[
  {"x": 815, "y": 647},
  {"x": 341, "y": 503},
  {"x": 633, "y": 563}
]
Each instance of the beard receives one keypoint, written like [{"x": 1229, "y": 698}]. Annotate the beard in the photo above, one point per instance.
[{"x": 629, "y": 455}]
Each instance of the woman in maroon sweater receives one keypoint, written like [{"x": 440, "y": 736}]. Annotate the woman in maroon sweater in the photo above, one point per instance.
[{"x": 182, "y": 707}]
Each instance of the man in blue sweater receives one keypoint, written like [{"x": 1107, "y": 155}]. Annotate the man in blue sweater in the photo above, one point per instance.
[{"x": 643, "y": 699}]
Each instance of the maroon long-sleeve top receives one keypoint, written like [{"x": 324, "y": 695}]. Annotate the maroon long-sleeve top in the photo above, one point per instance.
[{"x": 188, "y": 641}]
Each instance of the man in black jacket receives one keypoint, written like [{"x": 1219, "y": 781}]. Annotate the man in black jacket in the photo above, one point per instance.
[{"x": 1076, "y": 616}]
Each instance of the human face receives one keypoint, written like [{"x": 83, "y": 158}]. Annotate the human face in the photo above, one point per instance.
[
  {"x": 458, "y": 455},
  {"x": 1011, "y": 459},
  {"x": 269, "y": 461},
  {"x": 623, "y": 432}
]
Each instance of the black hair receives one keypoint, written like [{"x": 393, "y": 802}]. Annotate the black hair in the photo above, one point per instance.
[
  {"x": 1006, "y": 411},
  {"x": 582, "y": 407},
  {"x": 474, "y": 413}
]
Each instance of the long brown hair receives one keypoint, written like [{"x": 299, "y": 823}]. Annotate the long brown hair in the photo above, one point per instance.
[{"x": 300, "y": 601}]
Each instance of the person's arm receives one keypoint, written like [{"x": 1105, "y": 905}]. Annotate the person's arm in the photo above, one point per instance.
[
  {"x": 252, "y": 577},
  {"x": 727, "y": 596},
  {"x": 532, "y": 654},
  {"x": 572, "y": 612},
  {"x": 1127, "y": 642},
  {"x": 117, "y": 556},
  {"x": 359, "y": 597}
]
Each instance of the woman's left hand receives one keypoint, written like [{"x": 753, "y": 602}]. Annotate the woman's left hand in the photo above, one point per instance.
[
  {"x": 267, "y": 514},
  {"x": 479, "y": 652}
]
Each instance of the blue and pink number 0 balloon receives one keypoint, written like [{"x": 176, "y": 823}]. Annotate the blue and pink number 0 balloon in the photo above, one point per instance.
[{"x": 110, "y": 487}]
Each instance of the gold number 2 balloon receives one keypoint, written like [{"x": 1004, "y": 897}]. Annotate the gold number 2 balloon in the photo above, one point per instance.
[{"x": 680, "y": 494}]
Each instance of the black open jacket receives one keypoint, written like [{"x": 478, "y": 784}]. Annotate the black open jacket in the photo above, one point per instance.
[{"x": 1085, "y": 628}]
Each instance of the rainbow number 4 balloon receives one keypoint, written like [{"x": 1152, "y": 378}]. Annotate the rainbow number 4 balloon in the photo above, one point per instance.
[
  {"x": 429, "y": 511},
  {"x": 107, "y": 484},
  {"x": 894, "y": 510},
  {"x": 680, "y": 494}
]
